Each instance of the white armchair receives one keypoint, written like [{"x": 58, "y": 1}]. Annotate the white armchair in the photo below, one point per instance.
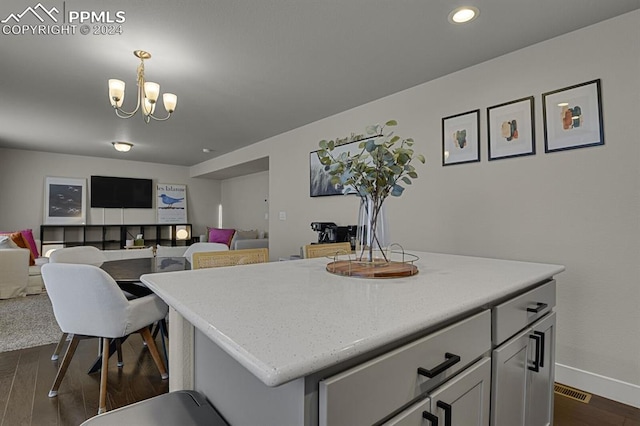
[
  {"x": 14, "y": 275},
  {"x": 17, "y": 278}
]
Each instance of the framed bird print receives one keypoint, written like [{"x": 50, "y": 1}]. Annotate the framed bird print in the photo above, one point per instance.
[
  {"x": 171, "y": 203},
  {"x": 65, "y": 201}
]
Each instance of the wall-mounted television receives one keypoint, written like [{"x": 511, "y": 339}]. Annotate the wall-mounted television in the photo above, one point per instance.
[{"x": 121, "y": 192}]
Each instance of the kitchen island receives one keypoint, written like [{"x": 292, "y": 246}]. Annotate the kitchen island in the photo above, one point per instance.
[{"x": 264, "y": 342}]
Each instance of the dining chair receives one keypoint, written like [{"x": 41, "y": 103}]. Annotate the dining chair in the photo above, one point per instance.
[
  {"x": 214, "y": 259},
  {"x": 87, "y": 255},
  {"x": 200, "y": 247},
  {"x": 88, "y": 302},
  {"x": 326, "y": 250}
]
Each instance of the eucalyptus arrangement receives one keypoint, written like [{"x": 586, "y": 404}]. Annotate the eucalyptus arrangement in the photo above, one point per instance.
[{"x": 381, "y": 167}]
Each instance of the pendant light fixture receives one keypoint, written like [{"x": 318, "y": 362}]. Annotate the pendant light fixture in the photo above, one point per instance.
[{"x": 148, "y": 93}]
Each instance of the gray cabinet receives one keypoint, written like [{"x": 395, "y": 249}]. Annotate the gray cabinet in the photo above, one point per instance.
[
  {"x": 377, "y": 389},
  {"x": 463, "y": 401},
  {"x": 523, "y": 366}
]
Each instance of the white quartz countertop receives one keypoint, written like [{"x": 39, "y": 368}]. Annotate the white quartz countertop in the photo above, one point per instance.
[{"x": 285, "y": 320}]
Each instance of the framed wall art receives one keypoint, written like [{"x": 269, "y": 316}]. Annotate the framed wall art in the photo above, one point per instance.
[
  {"x": 461, "y": 138},
  {"x": 573, "y": 117},
  {"x": 65, "y": 201},
  {"x": 172, "y": 203},
  {"x": 511, "y": 129},
  {"x": 320, "y": 180}
]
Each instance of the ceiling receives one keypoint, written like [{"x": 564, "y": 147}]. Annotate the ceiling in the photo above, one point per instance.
[{"x": 245, "y": 70}]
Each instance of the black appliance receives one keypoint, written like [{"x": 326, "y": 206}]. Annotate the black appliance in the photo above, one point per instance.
[{"x": 329, "y": 232}]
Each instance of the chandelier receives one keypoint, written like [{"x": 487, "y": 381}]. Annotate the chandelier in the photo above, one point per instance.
[{"x": 147, "y": 95}]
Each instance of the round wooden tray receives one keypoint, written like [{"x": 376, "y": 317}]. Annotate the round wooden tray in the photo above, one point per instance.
[{"x": 391, "y": 269}]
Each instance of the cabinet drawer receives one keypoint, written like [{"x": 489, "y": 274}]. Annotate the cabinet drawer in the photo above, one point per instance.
[
  {"x": 373, "y": 390},
  {"x": 517, "y": 313}
]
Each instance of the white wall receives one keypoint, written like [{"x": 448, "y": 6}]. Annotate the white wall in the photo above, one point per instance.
[
  {"x": 23, "y": 174},
  {"x": 245, "y": 202},
  {"x": 578, "y": 208}
]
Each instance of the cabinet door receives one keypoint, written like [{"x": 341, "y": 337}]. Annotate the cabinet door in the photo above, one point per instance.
[
  {"x": 510, "y": 362},
  {"x": 465, "y": 401},
  {"x": 540, "y": 383}
]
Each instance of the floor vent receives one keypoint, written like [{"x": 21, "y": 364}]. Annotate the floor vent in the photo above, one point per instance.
[{"x": 572, "y": 393}]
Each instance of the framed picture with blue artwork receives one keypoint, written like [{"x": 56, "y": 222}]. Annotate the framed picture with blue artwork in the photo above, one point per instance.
[
  {"x": 573, "y": 117},
  {"x": 511, "y": 129},
  {"x": 65, "y": 201},
  {"x": 461, "y": 138}
]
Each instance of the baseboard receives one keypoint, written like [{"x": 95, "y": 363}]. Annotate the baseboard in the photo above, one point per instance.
[{"x": 617, "y": 390}]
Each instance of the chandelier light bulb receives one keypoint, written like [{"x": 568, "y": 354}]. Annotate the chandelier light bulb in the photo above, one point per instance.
[
  {"x": 170, "y": 101},
  {"x": 116, "y": 92},
  {"x": 151, "y": 91}
]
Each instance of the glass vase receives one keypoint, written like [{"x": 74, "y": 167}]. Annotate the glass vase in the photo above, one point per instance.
[{"x": 372, "y": 235}]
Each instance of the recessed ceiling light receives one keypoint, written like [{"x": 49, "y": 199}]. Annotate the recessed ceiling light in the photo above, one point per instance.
[
  {"x": 207, "y": 150},
  {"x": 122, "y": 146},
  {"x": 463, "y": 14}
]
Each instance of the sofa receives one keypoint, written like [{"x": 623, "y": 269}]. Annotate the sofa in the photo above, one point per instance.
[{"x": 238, "y": 239}]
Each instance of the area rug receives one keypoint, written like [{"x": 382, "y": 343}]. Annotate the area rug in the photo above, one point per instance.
[{"x": 26, "y": 322}]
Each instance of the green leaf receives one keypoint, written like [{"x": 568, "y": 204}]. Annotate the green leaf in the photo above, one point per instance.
[
  {"x": 413, "y": 175},
  {"x": 372, "y": 129},
  {"x": 323, "y": 144},
  {"x": 406, "y": 180},
  {"x": 391, "y": 123},
  {"x": 397, "y": 190},
  {"x": 332, "y": 145},
  {"x": 421, "y": 158},
  {"x": 395, "y": 139},
  {"x": 370, "y": 146}
]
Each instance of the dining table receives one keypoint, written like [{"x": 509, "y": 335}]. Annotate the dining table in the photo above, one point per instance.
[{"x": 127, "y": 272}]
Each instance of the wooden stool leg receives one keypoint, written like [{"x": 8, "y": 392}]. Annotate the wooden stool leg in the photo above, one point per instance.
[
  {"x": 119, "y": 350},
  {"x": 151, "y": 344},
  {"x": 65, "y": 364},
  {"x": 59, "y": 346},
  {"x": 102, "y": 407}
]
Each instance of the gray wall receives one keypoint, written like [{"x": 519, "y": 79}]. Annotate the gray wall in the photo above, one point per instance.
[
  {"x": 245, "y": 202},
  {"x": 23, "y": 174},
  {"x": 578, "y": 208}
]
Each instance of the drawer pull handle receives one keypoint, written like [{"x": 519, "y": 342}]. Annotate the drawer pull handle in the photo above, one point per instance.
[
  {"x": 536, "y": 362},
  {"x": 450, "y": 361},
  {"x": 539, "y": 307},
  {"x": 541, "y": 348},
  {"x": 447, "y": 412},
  {"x": 430, "y": 418}
]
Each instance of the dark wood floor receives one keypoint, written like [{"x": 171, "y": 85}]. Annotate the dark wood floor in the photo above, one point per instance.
[{"x": 26, "y": 376}]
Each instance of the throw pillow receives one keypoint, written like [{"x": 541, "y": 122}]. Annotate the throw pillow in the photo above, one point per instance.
[
  {"x": 223, "y": 236},
  {"x": 27, "y": 235},
  {"x": 252, "y": 234},
  {"x": 7, "y": 243}
]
